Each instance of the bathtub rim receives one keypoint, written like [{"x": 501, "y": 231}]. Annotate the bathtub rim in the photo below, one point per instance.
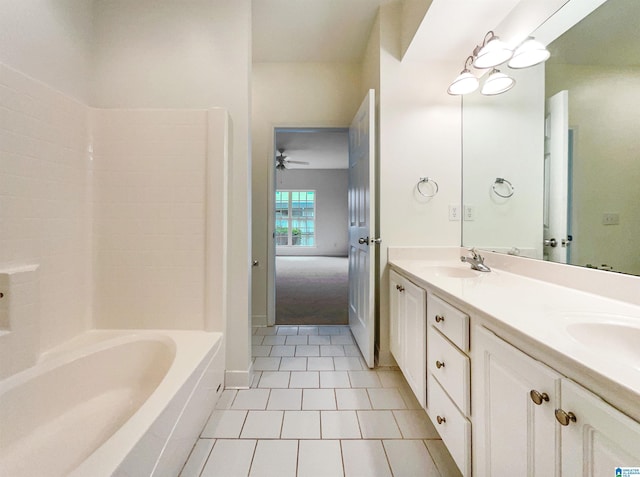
[{"x": 191, "y": 349}]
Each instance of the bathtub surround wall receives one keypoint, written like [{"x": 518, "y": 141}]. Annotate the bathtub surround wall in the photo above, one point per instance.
[
  {"x": 19, "y": 319},
  {"x": 45, "y": 200},
  {"x": 149, "y": 218}
]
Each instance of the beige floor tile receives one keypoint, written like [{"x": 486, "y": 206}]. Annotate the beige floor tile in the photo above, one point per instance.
[
  {"x": 331, "y": 350},
  {"x": 320, "y": 364},
  {"x": 225, "y": 424},
  {"x": 365, "y": 458},
  {"x": 319, "y": 458},
  {"x": 307, "y": 350},
  {"x": 283, "y": 350},
  {"x": 275, "y": 458},
  {"x": 347, "y": 363},
  {"x": 266, "y": 364},
  {"x": 274, "y": 340},
  {"x": 378, "y": 425},
  {"x": 251, "y": 399},
  {"x": 230, "y": 458},
  {"x": 293, "y": 364},
  {"x": 320, "y": 340},
  {"x": 285, "y": 399},
  {"x": 339, "y": 425},
  {"x": 320, "y": 399},
  {"x": 386, "y": 398},
  {"x": 262, "y": 425},
  {"x": 391, "y": 379},
  {"x": 274, "y": 379},
  {"x": 301, "y": 425},
  {"x": 296, "y": 340},
  {"x": 334, "y": 379},
  {"x": 409, "y": 458},
  {"x": 352, "y": 399},
  {"x": 304, "y": 379},
  {"x": 364, "y": 379}
]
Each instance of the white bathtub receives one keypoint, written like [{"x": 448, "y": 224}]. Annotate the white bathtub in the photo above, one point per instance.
[{"x": 123, "y": 403}]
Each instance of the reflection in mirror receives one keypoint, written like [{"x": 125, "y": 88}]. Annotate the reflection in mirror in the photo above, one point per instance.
[{"x": 567, "y": 137}]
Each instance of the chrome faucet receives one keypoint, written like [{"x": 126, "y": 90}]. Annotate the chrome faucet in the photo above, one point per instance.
[{"x": 476, "y": 261}]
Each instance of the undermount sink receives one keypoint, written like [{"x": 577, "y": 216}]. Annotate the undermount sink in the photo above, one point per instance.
[
  {"x": 455, "y": 272},
  {"x": 620, "y": 340}
]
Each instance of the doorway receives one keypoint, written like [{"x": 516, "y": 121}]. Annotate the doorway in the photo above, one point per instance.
[{"x": 310, "y": 217}]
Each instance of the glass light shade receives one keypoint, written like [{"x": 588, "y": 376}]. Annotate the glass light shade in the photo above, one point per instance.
[
  {"x": 494, "y": 53},
  {"x": 497, "y": 83},
  {"x": 530, "y": 53},
  {"x": 465, "y": 83}
]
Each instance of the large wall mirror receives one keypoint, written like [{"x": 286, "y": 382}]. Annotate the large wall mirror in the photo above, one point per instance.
[{"x": 551, "y": 169}]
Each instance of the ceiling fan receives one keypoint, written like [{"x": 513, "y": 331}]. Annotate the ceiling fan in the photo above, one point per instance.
[{"x": 282, "y": 162}]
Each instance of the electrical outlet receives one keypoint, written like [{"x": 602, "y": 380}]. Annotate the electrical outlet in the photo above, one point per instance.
[
  {"x": 454, "y": 212},
  {"x": 610, "y": 219},
  {"x": 469, "y": 212}
]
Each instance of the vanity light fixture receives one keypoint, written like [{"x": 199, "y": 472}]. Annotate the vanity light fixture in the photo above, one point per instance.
[
  {"x": 466, "y": 82},
  {"x": 530, "y": 53},
  {"x": 492, "y": 52},
  {"x": 497, "y": 83}
]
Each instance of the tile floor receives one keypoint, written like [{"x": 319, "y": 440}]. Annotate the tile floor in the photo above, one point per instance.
[{"x": 315, "y": 409}]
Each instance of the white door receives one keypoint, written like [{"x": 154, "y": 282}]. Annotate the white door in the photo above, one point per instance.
[
  {"x": 362, "y": 227},
  {"x": 556, "y": 168}
]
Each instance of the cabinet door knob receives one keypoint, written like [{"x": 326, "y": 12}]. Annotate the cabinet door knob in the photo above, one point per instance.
[
  {"x": 538, "y": 397},
  {"x": 441, "y": 420},
  {"x": 565, "y": 418},
  {"x": 439, "y": 318},
  {"x": 439, "y": 364},
  {"x": 400, "y": 288}
]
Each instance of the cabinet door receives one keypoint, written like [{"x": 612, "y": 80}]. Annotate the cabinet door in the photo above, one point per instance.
[
  {"x": 600, "y": 440},
  {"x": 512, "y": 434},
  {"x": 415, "y": 340},
  {"x": 396, "y": 316}
]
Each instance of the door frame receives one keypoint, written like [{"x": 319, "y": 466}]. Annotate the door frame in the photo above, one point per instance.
[{"x": 271, "y": 220}]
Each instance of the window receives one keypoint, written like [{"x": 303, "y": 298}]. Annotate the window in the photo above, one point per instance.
[{"x": 296, "y": 218}]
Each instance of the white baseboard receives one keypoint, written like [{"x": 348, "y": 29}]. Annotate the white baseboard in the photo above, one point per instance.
[
  {"x": 259, "y": 320},
  {"x": 238, "y": 379}
]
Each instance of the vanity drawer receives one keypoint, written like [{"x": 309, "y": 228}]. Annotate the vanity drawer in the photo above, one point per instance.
[
  {"x": 451, "y": 322},
  {"x": 451, "y": 367},
  {"x": 453, "y": 427}
]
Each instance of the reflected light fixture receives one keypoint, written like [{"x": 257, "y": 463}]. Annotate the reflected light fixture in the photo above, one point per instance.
[
  {"x": 530, "y": 53},
  {"x": 492, "y": 52},
  {"x": 497, "y": 83},
  {"x": 466, "y": 82}
]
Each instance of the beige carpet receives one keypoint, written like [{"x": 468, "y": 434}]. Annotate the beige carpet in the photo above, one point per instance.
[{"x": 312, "y": 291}]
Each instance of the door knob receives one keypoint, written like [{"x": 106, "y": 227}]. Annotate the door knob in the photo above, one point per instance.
[
  {"x": 376, "y": 240},
  {"x": 550, "y": 242},
  {"x": 363, "y": 240}
]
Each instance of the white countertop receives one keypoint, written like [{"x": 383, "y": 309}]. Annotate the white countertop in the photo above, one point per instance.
[{"x": 542, "y": 314}]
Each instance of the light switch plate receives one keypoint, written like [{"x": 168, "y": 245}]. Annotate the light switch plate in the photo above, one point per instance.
[
  {"x": 454, "y": 212},
  {"x": 610, "y": 219}
]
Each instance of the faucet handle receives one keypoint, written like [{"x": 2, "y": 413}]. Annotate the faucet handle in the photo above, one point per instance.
[{"x": 476, "y": 255}]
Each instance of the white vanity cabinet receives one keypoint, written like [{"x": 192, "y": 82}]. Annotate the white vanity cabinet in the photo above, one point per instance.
[
  {"x": 514, "y": 398},
  {"x": 601, "y": 438},
  {"x": 530, "y": 420},
  {"x": 408, "y": 340}
]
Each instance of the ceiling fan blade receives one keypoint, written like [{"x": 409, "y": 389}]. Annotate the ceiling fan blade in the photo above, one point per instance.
[{"x": 298, "y": 162}]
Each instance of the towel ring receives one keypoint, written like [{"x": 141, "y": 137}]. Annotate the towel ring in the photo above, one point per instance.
[
  {"x": 426, "y": 180},
  {"x": 510, "y": 188}
]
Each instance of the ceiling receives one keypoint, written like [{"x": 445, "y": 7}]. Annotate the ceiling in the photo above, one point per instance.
[
  {"x": 321, "y": 148},
  {"x": 312, "y": 30}
]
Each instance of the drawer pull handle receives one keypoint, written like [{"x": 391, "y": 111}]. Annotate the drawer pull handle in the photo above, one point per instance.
[
  {"x": 439, "y": 364},
  {"x": 441, "y": 420},
  {"x": 439, "y": 318},
  {"x": 565, "y": 418},
  {"x": 400, "y": 288},
  {"x": 538, "y": 397}
]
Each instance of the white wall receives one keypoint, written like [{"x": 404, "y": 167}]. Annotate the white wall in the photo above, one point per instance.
[
  {"x": 290, "y": 94},
  {"x": 604, "y": 111},
  {"x": 503, "y": 136},
  {"x": 419, "y": 136},
  {"x": 50, "y": 41},
  {"x": 331, "y": 186}
]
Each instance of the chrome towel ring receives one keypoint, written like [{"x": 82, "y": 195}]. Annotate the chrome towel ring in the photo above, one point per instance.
[
  {"x": 507, "y": 185},
  {"x": 423, "y": 182}
]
